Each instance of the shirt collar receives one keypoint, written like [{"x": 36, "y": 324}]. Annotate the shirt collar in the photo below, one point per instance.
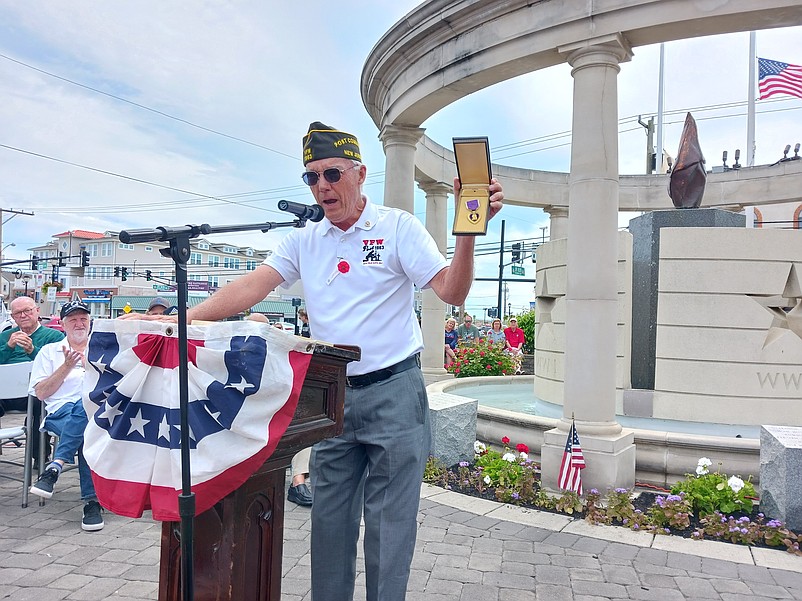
[{"x": 366, "y": 221}]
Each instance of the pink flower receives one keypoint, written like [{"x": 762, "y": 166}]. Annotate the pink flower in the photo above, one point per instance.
[
  {"x": 522, "y": 448},
  {"x": 505, "y": 440}
]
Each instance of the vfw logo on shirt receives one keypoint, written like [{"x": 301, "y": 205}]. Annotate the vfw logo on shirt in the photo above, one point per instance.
[{"x": 372, "y": 250}]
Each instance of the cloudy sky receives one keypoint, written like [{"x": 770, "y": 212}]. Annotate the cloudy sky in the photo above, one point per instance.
[{"x": 120, "y": 114}]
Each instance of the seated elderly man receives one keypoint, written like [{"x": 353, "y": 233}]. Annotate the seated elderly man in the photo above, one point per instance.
[
  {"x": 22, "y": 343},
  {"x": 57, "y": 378}
]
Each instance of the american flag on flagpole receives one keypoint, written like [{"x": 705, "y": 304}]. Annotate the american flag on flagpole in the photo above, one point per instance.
[
  {"x": 572, "y": 464},
  {"x": 244, "y": 382},
  {"x": 775, "y": 77}
]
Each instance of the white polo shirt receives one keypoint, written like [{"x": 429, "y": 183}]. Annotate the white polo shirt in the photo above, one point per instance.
[{"x": 359, "y": 283}]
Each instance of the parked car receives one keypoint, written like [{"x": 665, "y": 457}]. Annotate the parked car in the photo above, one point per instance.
[
  {"x": 52, "y": 322},
  {"x": 6, "y": 323}
]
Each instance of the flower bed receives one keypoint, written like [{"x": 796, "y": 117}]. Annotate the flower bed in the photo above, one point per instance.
[{"x": 706, "y": 505}]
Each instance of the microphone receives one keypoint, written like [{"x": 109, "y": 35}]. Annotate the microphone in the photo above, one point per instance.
[{"x": 301, "y": 211}]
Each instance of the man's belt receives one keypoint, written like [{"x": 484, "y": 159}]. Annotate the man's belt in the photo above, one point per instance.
[{"x": 382, "y": 374}]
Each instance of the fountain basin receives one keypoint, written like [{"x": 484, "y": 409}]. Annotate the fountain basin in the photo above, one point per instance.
[{"x": 662, "y": 456}]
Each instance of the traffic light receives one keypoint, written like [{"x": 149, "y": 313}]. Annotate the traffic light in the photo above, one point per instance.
[
  {"x": 124, "y": 274},
  {"x": 116, "y": 272},
  {"x": 516, "y": 252},
  {"x": 84, "y": 258},
  {"x": 61, "y": 261},
  {"x": 148, "y": 275},
  {"x": 54, "y": 276},
  {"x": 34, "y": 262}
]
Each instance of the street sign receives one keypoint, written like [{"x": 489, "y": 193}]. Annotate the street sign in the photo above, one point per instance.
[
  {"x": 51, "y": 294},
  {"x": 518, "y": 270}
]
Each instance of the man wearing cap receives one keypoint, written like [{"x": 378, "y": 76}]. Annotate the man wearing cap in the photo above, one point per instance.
[
  {"x": 57, "y": 379},
  {"x": 157, "y": 306},
  {"x": 359, "y": 267}
]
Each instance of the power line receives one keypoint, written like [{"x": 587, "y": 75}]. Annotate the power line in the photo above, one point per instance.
[{"x": 147, "y": 108}]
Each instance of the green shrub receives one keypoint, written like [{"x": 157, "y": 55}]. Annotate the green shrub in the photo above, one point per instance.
[{"x": 481, "y": 359}]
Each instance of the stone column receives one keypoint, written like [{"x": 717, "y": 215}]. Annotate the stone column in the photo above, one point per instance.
[
  {"x": 558, "y": 222},
  {"x": 399, "y": 143},
  {"x": 433, "y": 309},
  {"x": 591, "y": 292}
]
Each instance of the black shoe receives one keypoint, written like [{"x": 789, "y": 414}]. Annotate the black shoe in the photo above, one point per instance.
[
  {"x": 300, "y": 495},
  {"x": 93, "y": 517},
  {"x": 44, "y": 485}
]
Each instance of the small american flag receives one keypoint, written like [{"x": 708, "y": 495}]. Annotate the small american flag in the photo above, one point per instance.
[
  {"x": 776, "y": 77},
  {"x": 572, "y": 464}
]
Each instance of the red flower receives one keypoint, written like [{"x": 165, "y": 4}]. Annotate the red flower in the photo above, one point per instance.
[
  {"x": 522, "y": 448},
  {"x": 343, "y": 267},
  {"x": 456, "y": 371},
  {"x": 488, "y": 367},
  {"x": 505, "y": 440},
  {"x": 481, "y": 353}
]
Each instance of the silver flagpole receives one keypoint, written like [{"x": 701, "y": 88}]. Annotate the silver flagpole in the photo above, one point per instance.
[
  {"x": 660, "y": 94},
  {"x": 750, "y": 113}
]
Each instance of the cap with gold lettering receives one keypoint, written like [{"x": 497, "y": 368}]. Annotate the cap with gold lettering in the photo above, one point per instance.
[{"x": 324, "y": 142}]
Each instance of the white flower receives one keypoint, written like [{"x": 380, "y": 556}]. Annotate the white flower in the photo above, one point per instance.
[
  {"x": 701, "y": 468},
  {"x": 509, "y": 457},
  {"x": 479, "y": 447},
  {"x": 487, "y": 480},
  {"x": 735, "y": 483},
  {"x": 705, "y": 462},
  {"x": 523, "y": 456}
]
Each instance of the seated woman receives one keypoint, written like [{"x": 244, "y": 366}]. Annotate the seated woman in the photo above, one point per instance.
[
  {"x": 450, "y": 341},
  {"x": 496, "y": 335}
]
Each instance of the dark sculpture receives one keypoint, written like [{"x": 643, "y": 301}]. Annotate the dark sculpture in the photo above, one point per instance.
[{"x": 687, "y": 183}]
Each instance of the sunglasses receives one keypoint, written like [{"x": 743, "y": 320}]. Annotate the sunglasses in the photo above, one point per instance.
[{"x": 332, "y": 175}]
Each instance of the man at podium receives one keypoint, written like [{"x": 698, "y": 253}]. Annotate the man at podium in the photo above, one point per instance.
[{"x": 359, "y": 266}]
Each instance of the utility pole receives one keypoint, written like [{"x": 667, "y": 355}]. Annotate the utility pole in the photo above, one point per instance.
[
  {"x": 650, "y": 155},
  {"x": 500, "y": 268},
  {"x": 3, "y": 221}
]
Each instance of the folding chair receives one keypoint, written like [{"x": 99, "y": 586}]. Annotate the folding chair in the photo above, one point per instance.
[
  {"x": 34, "y": 417},
  {"x": 14, "y": 378}
]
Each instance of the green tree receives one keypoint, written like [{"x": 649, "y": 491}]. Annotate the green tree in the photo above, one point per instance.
[{"x": 526, "y": 321}]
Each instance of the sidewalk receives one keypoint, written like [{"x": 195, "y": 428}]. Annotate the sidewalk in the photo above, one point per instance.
[{"x": 468, "y": 549}]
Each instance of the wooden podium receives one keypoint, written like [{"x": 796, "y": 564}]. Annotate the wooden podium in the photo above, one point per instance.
[{"x": 238, "y": 543}]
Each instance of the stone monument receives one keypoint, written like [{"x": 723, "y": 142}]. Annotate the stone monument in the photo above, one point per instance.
[{"x": 780, "y": 466}]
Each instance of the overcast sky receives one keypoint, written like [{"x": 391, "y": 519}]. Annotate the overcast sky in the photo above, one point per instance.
[{"x": 219, "y": 95}]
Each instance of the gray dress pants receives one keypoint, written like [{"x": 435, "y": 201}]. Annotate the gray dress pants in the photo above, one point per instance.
[{"x": 377, "y": 464}]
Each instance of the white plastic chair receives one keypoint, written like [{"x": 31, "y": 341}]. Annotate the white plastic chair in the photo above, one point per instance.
[{"x": 14, "y": 379}]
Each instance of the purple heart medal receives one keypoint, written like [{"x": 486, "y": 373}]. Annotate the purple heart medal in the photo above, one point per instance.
[{"x": 473, "y": 206}]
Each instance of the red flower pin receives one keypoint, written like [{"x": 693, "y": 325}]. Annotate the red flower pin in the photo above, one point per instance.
[{"x": 343, "y": 267}]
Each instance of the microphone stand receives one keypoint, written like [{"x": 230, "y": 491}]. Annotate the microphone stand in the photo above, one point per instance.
[{"x": 179, "y": 252}]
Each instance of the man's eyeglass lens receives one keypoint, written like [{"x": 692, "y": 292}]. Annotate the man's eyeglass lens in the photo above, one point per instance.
[
  {"x": 332, "y": 175},
  {"x": 27, "y": 311}
]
